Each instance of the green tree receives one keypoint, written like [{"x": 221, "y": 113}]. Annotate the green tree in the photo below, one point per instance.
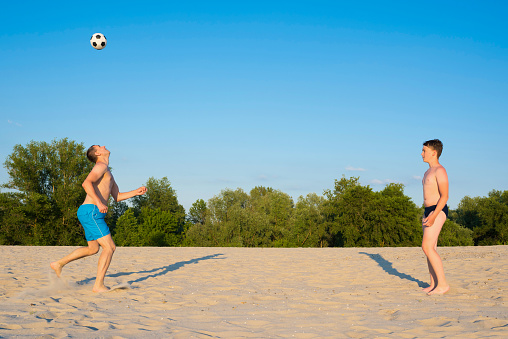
[
  {"x": 345, "y": 212},
  {"x": 14, "y": 225},
  {"x": 357, "y": 216},
  {"x": 48, "y": 176},
  {"x": 227, "y": 218},
  {"x": 156, "y": 218},
  {"x": 159, "y": 228},
  {"x": 491, "y": 214},
  {"x": 227, "y": 221},
  {"x": 41, "y": 215},
  {"x": 127, "y": 230},
  {"x": 467, "y": 212},
  {"x": 309, "y": 222},
  {"x": 235, "y": 218},
  {"x": 395, "y": 219},
  {"x": 159, "y": 194},
  {"x": 197, "y": 212},
  {"x": 275, "y": 212},
  {"x": 115, "y": 211},
  {"x": 453, "y": 234}
]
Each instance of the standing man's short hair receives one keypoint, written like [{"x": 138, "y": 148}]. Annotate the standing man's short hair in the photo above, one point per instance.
[
  {"x": 436, "y": 145},
  {"x": 90, "y": 154}
]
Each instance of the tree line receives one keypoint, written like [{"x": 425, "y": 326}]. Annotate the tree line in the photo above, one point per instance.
[{"x": 45, "y": 192}]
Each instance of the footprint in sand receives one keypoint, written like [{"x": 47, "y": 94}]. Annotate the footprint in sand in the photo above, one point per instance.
[{"x": 121, "y": 286}]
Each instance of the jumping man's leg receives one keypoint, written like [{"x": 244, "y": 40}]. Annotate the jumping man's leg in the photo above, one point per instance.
[
  {"x": 108, "y": 248},
  {"x": 429, "y": 246},
  {"x": 92, "y": 248}
]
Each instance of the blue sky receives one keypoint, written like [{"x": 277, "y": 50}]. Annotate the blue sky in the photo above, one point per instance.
[{"x": 286, "y": 94}]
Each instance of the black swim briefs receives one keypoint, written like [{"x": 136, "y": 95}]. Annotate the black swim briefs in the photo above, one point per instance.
[{"x": 433, "y": 207}]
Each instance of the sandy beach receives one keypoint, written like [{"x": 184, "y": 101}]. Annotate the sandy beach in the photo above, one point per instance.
[{"x": 255, "y": 293}]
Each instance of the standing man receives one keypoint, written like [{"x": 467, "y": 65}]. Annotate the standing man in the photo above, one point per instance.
[
  {"x": 98, "y": 185},
  {"x": 435, "y": 196}
]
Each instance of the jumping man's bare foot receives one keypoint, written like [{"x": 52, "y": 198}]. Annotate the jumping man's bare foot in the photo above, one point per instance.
[
  {"x": 439, "y": 290},
  {"x": 57, "y": 268},
  {"x": 100, "y": 289}
]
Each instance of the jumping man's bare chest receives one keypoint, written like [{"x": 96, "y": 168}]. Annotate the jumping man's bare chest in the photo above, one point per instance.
[{"x": 107, "y": 180}]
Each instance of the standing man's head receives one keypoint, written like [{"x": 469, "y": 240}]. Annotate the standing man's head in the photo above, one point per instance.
[
  {"x": 432, "y": 148},
  {"x": 95, "y": 151}
]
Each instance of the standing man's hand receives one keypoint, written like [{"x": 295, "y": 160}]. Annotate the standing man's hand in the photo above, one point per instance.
[{"x": 427, "y": 222}]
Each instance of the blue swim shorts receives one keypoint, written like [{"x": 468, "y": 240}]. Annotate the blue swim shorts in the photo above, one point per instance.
[{"x": 93, "y": 222}]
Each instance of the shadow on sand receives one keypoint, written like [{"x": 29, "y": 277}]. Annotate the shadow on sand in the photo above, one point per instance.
[
  {"x": 388, "y": 268},
  {"x": 156, "y": 272}
]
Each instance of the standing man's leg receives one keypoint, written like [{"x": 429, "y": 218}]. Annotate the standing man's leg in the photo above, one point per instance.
[
  {"x": 108, "y": 248},
  {"x": 429, "y": 246},
  {"x": 432, "y": 275},
  {"x": 92, "y": 248},
  {"x": 431, "y": 270}
]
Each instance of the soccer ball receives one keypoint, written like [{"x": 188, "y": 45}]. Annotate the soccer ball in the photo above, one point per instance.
[{"x": 98, "y": 41}]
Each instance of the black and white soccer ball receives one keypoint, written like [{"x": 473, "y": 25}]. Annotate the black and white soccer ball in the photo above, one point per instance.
[{"x": 98, "y": 41}]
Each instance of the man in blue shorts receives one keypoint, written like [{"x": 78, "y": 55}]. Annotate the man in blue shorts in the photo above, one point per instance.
[{"x": 98, "y": 185}]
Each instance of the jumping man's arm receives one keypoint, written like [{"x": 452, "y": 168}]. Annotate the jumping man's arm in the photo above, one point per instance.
[{"x": 118, "y": 196}]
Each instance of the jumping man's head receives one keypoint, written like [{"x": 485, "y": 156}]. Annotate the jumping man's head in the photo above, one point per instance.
[{"x": 95, "y": 151}]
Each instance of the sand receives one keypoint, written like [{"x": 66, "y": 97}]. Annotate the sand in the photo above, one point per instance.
[{"x": 255, "y": 293}]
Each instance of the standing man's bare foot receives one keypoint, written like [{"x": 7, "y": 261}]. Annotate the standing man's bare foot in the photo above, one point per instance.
[
  {"x": 99, "y": 289},
  {"x": 439, "y": 290},
  {"x": 428, "y": 289},
  {"x": 57, "y": 268}
]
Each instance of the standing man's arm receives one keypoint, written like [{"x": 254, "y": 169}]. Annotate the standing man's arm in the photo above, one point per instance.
[
  {"x": 118, "y": 196},
  {"x": 442, "y": 185},
  {"x": 95, "y": 175}
]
